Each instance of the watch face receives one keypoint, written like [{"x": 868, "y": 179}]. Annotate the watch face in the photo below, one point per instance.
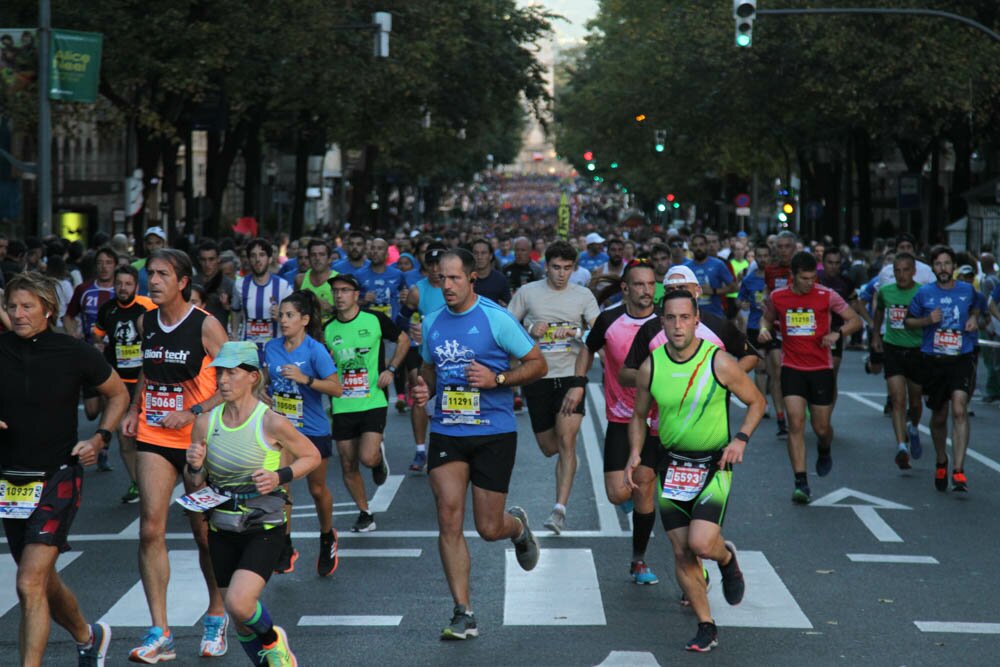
[{"x": 501, "y": 379}]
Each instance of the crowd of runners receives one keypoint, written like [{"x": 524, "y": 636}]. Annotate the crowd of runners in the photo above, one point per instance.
[{"x": 237, "y": 366}]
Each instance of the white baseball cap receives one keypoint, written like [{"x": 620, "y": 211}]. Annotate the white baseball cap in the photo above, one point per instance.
[
  {"x": 678, "y": 274},
  {"x": 156, "y": 231},
  {"x": 594, "y": 237}
]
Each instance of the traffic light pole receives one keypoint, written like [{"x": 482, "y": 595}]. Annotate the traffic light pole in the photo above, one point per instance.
[{"x": 876, "y": 10}]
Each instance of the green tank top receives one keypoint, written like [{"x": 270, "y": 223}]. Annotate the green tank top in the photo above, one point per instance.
[
  {"x": 693, "y": 404},
  {"x": 738, "y": 266},
  {"x": 234, "y": 454},
  {"x": 356, "y": 347},
  {"x": 896, "y": 303},
  {"x": 323, "y": 291}
]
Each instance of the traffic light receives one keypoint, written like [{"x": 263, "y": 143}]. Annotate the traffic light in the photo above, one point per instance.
[
  {"x": 671, "y": 197},
  {"x": 591, "y": 166},
  {"x": 588, "y": 155},
  {"x": 639, "y": 117},
  {"x": 744, "y": 12},
  {"x": 788, "y": 208},
  {"x": 661, "y": 207},
  {"x": 660, "y": 140},
  {"x": 614, "y": 165}
]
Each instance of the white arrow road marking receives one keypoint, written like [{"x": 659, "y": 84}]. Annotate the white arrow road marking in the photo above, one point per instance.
[
  {"x": 630, "y": 659},
  {"x": 865, "y": 512}
]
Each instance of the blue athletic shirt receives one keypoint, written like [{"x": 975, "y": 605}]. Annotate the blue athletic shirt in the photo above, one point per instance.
[
  {"x": 412, "y": 277},
  {"x": 345, "y": 266},
  {"x": 386, "y": 286},
  {"x": 753, "y": 291},
  {"x": 591, "y": 262},
  {"x": 302, "y": 405},
  {"x": 948, "y": 337},
  {"x": 713, "y": 273},
  {"x": 431, "y": 298},
  {"x": 489, "y": 334}
]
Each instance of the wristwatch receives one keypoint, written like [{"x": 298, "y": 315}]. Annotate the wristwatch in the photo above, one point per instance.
[
  {"x": 197, "y": 409},
  {"x": 500, "y": 379},
  {"x": 105, "y": 435},
  {"x": 392, "y": 369}
]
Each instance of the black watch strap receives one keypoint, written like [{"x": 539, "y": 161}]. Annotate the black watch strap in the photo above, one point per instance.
[
  {"x": 105, "y": 435},
  {"x": 742, "y": 436}
]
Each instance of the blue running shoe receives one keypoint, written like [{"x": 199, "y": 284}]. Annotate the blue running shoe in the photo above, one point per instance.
[
  {"x": 156, "y": 647},
  {"x": 916, "y": 449},
  {"x": 627, "y": 507},
  {"x": 642, "y": 575}
]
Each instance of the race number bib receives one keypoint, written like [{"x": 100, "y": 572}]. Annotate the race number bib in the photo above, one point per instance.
[
  {"x": 897, "y": 317},
  {"x": 18, "y": 501},
  {"x": 947, "y": 342},
  {"x": 290, "y": 406},
  {"x": 800, "y": 322},
  {"x": 129, "y": 356},
  {"x": 460, "y": 405},
  {"x": 161, "y": 400},
  {"x": 550, "y": 343},
  {"x": 202, "y": 500},
  {"x": 684, "y": 479},
  {"x": 356, "y": 383},
  {"x": 259, "y": 331}
]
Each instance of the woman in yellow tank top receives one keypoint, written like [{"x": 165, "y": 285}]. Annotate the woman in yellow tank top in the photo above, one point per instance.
[{"x": 234, "y": 459}]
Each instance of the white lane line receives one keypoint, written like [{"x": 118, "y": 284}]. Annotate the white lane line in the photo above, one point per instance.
[
  {"x": 365, "y": 621},
  {"x": 970, "y": 452},
  {"x": 384, "y": 494},
  {"x": 630, "y": 659},
  {"x": 8, "y": 573},
  {"x": 187, "y": 596},
  {"x": 379, "y": 553},
  {"x": 768, "y": 602},
  {"x": 561, "y": 590},
  {"x": 607, "y": 515},
  {"x": 131, "y": 531},
  {"x": 892, "y": 558},
  {"x": 882, "y": 531},
  {"x": 959, "y": 627}
]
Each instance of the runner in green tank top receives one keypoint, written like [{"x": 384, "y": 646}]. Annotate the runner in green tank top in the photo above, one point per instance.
[
  {"x": 903, "y": 360},
  {"x": 690, "y": 380},
  {"x": 317, "y": 278},
  {"x": 233, "y": 464}
]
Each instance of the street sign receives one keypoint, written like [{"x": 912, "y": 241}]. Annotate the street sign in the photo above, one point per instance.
[
  {"x": 908, "y": 195},
  {"x": 562, "y": 229},
  {"x": 742, "y": 200},
  {"x": 743, "y": 211}
]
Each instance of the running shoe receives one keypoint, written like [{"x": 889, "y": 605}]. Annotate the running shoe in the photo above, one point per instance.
[
  {"x": 380, "y": 473},
  {"x": 328, "y": 560},
  {"x": 156, "y": 647},
  {"x": 802, "y": 495},
  {"x": 706, "y": 639},
  {"x": 733, "y": 584},
  {"x": 132, "y": 495},
  {"x": 286, "y": 563},
  {"x": 941, "y": 476},
  {"x": 419, "y": 463},
  {"x": 102, "y": 462},
  {"x": 462, "y": 626},
  {"x": 213, "y": 638},
  {"x": 364, "y": 524},
  {"x": 279, "y": 654},
  {"x": 782, "y": 429},
  {"x": 401, "y": 405},
  {"x": 641, "y": 574},
  {"x": 556, "y": 522},
  {"x": 518, "y": 403},
  {"x": 708, "y": 586},
  {"x": 526, "y": 547},
  {"x": 916, "y": 449},
  {"x": 824, "y": 463},
  {"x": 959, "y": 482},
  {"x": 903, "y": 459},
  {"x": 95, "y": 654}
]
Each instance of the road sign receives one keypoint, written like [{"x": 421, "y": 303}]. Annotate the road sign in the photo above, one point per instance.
[
  {"x": 908, "y": 195},
  {"x": 742, "y": 200},
  {"x": 743, "y": 211}
]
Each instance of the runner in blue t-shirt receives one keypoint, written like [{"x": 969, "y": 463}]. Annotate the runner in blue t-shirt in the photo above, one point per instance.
[
  {"x": 300, "y": 371},
  {"x": 466, "y": 353},
  {"x": 713, "y": 275},
  {"x": 355, "y": 262},
  {"x": 753, "y": 292},
  {"x": 947, "y": 312}
]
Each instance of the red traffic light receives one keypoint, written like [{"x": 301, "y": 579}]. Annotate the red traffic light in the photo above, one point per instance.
[
  {"x": 671, "y": 197},
  {"x": 588, "y": 156}
]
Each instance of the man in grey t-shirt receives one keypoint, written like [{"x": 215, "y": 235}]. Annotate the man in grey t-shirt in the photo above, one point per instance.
[{"x": 556, "y": 313}]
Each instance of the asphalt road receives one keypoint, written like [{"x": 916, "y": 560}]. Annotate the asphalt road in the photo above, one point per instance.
[{"x": 880, "y": 570}]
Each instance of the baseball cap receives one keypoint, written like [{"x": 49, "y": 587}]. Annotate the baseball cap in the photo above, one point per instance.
[
  {"x": 679, "y": 274},
  {"x": 237, "y": 353},
  {"x": 156, "y": 231},
  {"x": 594, "y": 237},
  {"x": 966, "y": 270},
  {"x": 347, "y": 278},
  {"x": 434, "y": 252},
  {"x": 741, "y": 234}
]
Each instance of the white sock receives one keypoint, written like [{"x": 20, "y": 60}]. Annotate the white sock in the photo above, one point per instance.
[
  {"x": 903, "y": 446},
  {"x": 558, "y": 507},
  {"x": 421, "y": 447}
]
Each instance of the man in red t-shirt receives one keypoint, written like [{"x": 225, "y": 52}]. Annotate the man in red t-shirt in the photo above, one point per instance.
[{"x": 802, "y": 313}]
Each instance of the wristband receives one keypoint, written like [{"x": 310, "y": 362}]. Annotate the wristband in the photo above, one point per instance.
[
  {"x": 105, "y": 435},
  {"x": 284, "y": 475},
  {"x": 742, "y": 436},
  {"x": 580, "y": 381}
]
